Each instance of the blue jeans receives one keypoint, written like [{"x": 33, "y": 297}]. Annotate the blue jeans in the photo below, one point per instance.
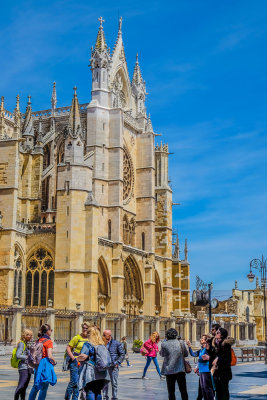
[
  {"x": 91, "y": 396},
  {"x": 114, "y": 375},
  {"x": 35, "y": 390},
  {"x": 72, "y": 391},
  {"x": 148, "y": 362}
]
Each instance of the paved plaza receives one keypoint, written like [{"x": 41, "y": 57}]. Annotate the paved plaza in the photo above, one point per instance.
[{"x": 249, "y": 381}]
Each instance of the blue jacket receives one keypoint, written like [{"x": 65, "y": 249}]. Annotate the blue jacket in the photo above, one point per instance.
[
  {"x": 203, "y": 365},
  {"x": 45, "y": 373},
  {"x": 116, "y": 351}
]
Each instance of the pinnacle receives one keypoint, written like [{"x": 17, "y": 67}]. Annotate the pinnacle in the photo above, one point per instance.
[
  {"x": 137, "y": 76},
  {"x": 75, "y": 120},
  {"x": 101, "y": 44},
  {"x": 17, "y": 102}
]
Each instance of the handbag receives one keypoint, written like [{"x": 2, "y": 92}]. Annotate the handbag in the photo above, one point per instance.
[
  {"x": 187, "y": 366},
  {"x": 143, "y": 351}
]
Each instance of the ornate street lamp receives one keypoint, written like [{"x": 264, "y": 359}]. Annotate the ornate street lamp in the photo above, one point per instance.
[{"x": 260, "y": 265}]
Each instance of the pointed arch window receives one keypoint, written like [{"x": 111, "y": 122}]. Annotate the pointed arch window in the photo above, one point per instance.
[{"x": 40, "y": 279}]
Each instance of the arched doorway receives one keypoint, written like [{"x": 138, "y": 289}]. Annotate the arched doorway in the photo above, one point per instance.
[
  {"x": 133, "y": 287},
  {"x": 103, "y": 285},
  {"x": 158, "y": 293}
]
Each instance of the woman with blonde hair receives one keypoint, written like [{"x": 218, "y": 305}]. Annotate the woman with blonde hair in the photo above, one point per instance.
[
  {"x": 24, "y": 370},
  {"x": 91, "y": 379},
  {"x": 150, "y": 348}
]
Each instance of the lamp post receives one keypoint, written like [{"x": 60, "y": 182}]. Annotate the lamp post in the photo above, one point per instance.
[{"x": 260, "y": 265}]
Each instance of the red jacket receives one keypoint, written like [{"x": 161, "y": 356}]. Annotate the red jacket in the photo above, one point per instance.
[{"x": 151, "y": 347}]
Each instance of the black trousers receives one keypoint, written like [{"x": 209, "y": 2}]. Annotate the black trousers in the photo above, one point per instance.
[
  {"x": 171, "y": 381},
  {"x": 222, "y": 388},
  {"x": 24, "y": 379},
  {"x": 199, "y": 395},
  {"x": 206, "y": 385}
]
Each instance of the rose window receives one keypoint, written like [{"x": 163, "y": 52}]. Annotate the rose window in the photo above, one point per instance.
[{"x": 128, "y": 177}]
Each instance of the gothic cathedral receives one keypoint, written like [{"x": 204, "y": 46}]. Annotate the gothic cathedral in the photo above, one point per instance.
[{"x": 86, "y": 210}]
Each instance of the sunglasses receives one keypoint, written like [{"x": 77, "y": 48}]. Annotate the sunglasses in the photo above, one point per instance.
[{"x": 85, "y": 327}]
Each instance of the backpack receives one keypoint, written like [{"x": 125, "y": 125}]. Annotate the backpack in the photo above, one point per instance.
[
  {"x": 233, "y": 358},
  {"x": 14, "y": 360},
  {"x": 36, "y": 353},
  {"x": 103, "y": 359}
]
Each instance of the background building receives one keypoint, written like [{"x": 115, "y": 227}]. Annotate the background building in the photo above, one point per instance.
[
  {"x": 86, "y": 212},
  {"x": 242, "y": 315}
]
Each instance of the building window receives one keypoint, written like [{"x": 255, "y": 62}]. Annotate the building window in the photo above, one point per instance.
[
  {"x": 39, "y": 279},
  {"x": 46, "y": 158},
  {"x": 143, "y": 241},
  {"x": 109, "y": 229}
]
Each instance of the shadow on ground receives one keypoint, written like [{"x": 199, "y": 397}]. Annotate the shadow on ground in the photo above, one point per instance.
[
  {"x": 249, "y": 396},
  {"x": 257, "y": 374}
]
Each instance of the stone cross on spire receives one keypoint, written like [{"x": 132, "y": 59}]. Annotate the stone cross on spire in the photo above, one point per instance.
[{"x": 101, "y": 20}]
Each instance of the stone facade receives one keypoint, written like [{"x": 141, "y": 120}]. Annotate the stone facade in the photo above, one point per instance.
[{"x": 86, "y": 209}]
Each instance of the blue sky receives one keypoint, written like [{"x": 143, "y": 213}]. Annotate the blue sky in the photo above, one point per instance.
[{"x": 205, "y": 67}]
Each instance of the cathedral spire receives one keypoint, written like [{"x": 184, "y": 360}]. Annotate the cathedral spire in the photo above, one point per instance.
[
  {"x": 137, "y": 76},
  {"x": 100, "y": 63},
  {"x": 75, "y": 119},
  {"x": 119, "y": 43},
  {"x": 28, "y": 122},
  {"x": 149, "y": 127},
  {"x": 17, "y": 118},
  {"x": 39, "y": 140},
  {"x": 139, "y": 89},
  {"x": 101, "y": 44}
]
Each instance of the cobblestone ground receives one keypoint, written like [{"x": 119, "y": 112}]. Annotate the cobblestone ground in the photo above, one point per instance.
[{"x": 249, "y": 381}]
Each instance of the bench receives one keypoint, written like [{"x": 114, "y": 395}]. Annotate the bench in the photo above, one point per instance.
[{"x": 251, "y": 354}]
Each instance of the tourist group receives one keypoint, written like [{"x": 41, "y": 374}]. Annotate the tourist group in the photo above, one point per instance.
[{"x": 94, "y": 359}]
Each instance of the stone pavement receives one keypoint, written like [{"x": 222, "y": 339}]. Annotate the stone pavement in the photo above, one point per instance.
[{"x": 249, "y": 381}]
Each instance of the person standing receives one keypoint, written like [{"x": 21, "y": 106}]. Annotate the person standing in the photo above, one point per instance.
[
  {"x": 203, "y": 368},
  {"x": 73, "y": 350},
  {"x": 222, "y": 363},
  {"x": 125, "y": 347},
  {"x": 25, "y": 371},
  {"x": 174, "y": 352},
  {"x": 117, "y": 354},
  {"x": 44, "y": 374},
  {"x": 91, "y": 380},
  {"x": 151, "y": 346}
]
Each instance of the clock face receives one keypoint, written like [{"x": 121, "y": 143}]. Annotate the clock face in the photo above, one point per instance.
[
  {"x": 214, "y": 303},
  {"x": 194, "y": 297}
]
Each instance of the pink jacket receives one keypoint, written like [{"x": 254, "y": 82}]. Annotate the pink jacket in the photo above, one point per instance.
[{"x": 151, "y": 347}]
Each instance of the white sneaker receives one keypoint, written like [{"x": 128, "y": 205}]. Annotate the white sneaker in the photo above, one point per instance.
[
  {"x": 129, "y": 366},
  {"x": 144, "y": 377},
  {"x": 162, "y": 377}
]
